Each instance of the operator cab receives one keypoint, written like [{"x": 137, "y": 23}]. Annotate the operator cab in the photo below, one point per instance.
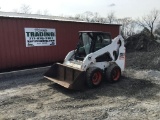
[{"x": 90, "y": 42}]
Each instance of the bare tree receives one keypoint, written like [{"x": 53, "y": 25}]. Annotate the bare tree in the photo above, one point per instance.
[
  {"x": 102, "y": 20},
  {"x": 86, "y": 16},
  {"x": 78, "y": 17},
  {"x": 25, "y": 9},
  {"x": 111, "y": 17},
  {"x": 131, "y": 28},
  {"x": 90, "y": 17},
  {"x": 148, "y": 21},
  {"x": 157, "y": 32},
  {"x": 45, "y": 12},
  {"x": 95, "y": 17},
  {"x": 128, "y": 26}
]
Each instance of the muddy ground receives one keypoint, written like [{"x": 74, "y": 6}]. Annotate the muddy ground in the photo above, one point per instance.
[{"x": 136, "y": 96}]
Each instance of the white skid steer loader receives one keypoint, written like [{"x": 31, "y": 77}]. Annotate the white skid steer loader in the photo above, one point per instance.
[{"x": 96, "y": 58}]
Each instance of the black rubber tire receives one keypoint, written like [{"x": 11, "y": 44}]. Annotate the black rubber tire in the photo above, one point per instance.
[
  {"x": 94, "y": 77},
  {"x": 113, "y": 73}
]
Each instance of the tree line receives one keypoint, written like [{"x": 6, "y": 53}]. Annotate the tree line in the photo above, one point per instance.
[{"x": 148, "y": 24}]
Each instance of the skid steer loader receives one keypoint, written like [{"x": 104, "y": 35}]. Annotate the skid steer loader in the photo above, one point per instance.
[{"x": 96, "y": 58}]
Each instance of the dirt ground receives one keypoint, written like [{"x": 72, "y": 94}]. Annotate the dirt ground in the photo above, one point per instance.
[
  {"x": 136, "y": 96},
  {"x": 143, "y": 60}
]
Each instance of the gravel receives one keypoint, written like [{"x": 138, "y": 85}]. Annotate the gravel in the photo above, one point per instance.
[
  {"x": 136, "y": 96},
  {"x": 143, "y": 60}
]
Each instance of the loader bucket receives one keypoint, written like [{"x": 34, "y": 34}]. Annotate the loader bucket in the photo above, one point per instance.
[{"x": 66, "y": 76}]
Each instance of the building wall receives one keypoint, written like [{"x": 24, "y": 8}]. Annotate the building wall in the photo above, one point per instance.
[{"x": 14, "y": 53}]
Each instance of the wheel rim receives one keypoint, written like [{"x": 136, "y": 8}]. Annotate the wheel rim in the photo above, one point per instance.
[
  {"x": 96, "y": 79},
  {"x": 116, "y": 74}
]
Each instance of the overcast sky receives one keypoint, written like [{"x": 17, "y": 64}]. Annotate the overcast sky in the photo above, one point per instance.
[{"x": 122, "y": 8}]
